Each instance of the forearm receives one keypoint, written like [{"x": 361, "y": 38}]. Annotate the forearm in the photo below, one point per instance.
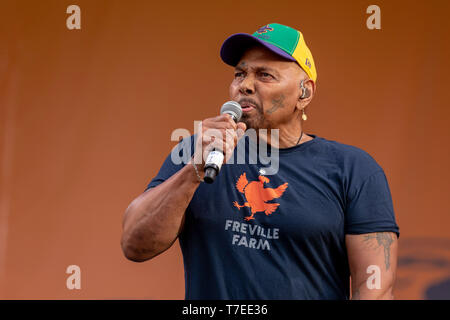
[
  {"x": 153, "y": 221},
  {"x": 364, "y": 293}
]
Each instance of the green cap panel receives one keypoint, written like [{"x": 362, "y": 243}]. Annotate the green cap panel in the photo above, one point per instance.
[{"x": 279, "y": 35}]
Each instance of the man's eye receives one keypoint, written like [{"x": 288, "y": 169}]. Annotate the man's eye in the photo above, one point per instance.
[
  {"x": 238, "y": 74},
  {"x": 266, "y": 75}
]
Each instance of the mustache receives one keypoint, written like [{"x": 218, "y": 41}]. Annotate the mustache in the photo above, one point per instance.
[{"x": 249, "y": 101}]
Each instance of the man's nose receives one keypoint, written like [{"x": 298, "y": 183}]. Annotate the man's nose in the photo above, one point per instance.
[{"x": 247, "y": 85}]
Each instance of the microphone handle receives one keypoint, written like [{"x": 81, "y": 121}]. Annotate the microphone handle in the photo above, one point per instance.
[
  {"x": 215, "y": 160},
  {"x": 213, "y": 164}
]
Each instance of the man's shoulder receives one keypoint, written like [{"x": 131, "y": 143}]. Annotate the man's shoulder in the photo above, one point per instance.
[
  {"x": 349, "y": 155},
  {"x": 343, "y": 148}
]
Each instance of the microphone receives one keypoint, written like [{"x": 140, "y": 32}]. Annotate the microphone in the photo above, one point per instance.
[{"x": 215, "y": 157}]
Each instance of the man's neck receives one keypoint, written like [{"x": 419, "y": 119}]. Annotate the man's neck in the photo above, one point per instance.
[{"x": 283, "y": 138}]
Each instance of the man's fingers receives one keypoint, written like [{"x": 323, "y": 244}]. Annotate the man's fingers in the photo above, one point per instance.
[
  {"x": 222, "y": 121},
  {"x": 221, "y": 133},
  {"x": 241, "y": 127}
]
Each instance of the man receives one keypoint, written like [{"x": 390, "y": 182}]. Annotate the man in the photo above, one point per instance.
[{"x": 325, "y": 215}]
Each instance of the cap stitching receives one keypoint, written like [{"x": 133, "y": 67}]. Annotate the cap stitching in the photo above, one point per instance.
[{"x": 296, "y": 42}]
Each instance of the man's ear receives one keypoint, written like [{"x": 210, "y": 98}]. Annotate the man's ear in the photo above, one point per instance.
[
  {"x": 305, "y": 91},
  {"x": 307, "y": 88}
]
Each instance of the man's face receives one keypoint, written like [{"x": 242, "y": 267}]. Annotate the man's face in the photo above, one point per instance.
[{"x": 268, "y": 89}]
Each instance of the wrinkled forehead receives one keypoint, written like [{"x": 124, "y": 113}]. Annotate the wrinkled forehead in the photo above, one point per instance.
[{"x": 259, "y": 56}]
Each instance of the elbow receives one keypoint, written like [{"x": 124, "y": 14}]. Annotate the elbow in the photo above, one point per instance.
[
  {"x": 131, "y": 247},
  {"x": 130, "y": 255},
  {"x": 133, "y": 253}
]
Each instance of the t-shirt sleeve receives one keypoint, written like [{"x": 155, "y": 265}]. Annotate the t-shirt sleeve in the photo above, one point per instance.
[
  {"x": 370, "y": 208},
  {"x": 175, "y": 161}
]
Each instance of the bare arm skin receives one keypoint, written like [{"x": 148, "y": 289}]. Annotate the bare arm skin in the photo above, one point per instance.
[
  {"x": 153, "y": 221},
  {"x": 364, "y": 250}
]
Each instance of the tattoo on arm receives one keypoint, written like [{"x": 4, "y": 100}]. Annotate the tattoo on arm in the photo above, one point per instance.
[{"x": 383, "y": 239}]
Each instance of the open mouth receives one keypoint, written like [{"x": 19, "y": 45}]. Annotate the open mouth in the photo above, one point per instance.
[{"x": 247, "y": 107}]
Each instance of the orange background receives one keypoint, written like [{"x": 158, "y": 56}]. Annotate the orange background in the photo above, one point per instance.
[{"x": 86, "y": 118}]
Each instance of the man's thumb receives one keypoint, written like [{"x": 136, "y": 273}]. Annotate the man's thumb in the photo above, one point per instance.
[{"x": 241, "y": 127}]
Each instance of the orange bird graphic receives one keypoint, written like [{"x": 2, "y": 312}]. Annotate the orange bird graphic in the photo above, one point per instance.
[{"x": 257, "y": 196}]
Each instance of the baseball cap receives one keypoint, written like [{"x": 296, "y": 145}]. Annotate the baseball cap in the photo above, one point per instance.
[{"x": 280, "y": 39}]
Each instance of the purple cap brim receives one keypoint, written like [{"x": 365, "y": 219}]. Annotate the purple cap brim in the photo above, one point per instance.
[{"x": 235, "y": 45}]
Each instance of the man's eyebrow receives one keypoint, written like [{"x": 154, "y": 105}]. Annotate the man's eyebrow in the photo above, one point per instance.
[{"x": 273, "y": 72}]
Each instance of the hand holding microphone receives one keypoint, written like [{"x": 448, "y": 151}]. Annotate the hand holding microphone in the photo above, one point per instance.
[{"x": 219, "y": 136}]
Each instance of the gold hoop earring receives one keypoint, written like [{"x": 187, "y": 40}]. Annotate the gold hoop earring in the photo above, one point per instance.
[{"x": 304, "y": 117}]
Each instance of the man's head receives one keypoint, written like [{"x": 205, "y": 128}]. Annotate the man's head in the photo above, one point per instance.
[
  {"x": 270, "y": 84},
  {"x": 268, "y": 88}
]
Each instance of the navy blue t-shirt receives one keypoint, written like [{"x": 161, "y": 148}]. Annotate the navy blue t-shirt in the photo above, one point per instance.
[{"x": 250, "y": 235}]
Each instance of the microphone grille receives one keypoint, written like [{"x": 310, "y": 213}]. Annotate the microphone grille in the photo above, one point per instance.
[{"x": 233, "y": 108}]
